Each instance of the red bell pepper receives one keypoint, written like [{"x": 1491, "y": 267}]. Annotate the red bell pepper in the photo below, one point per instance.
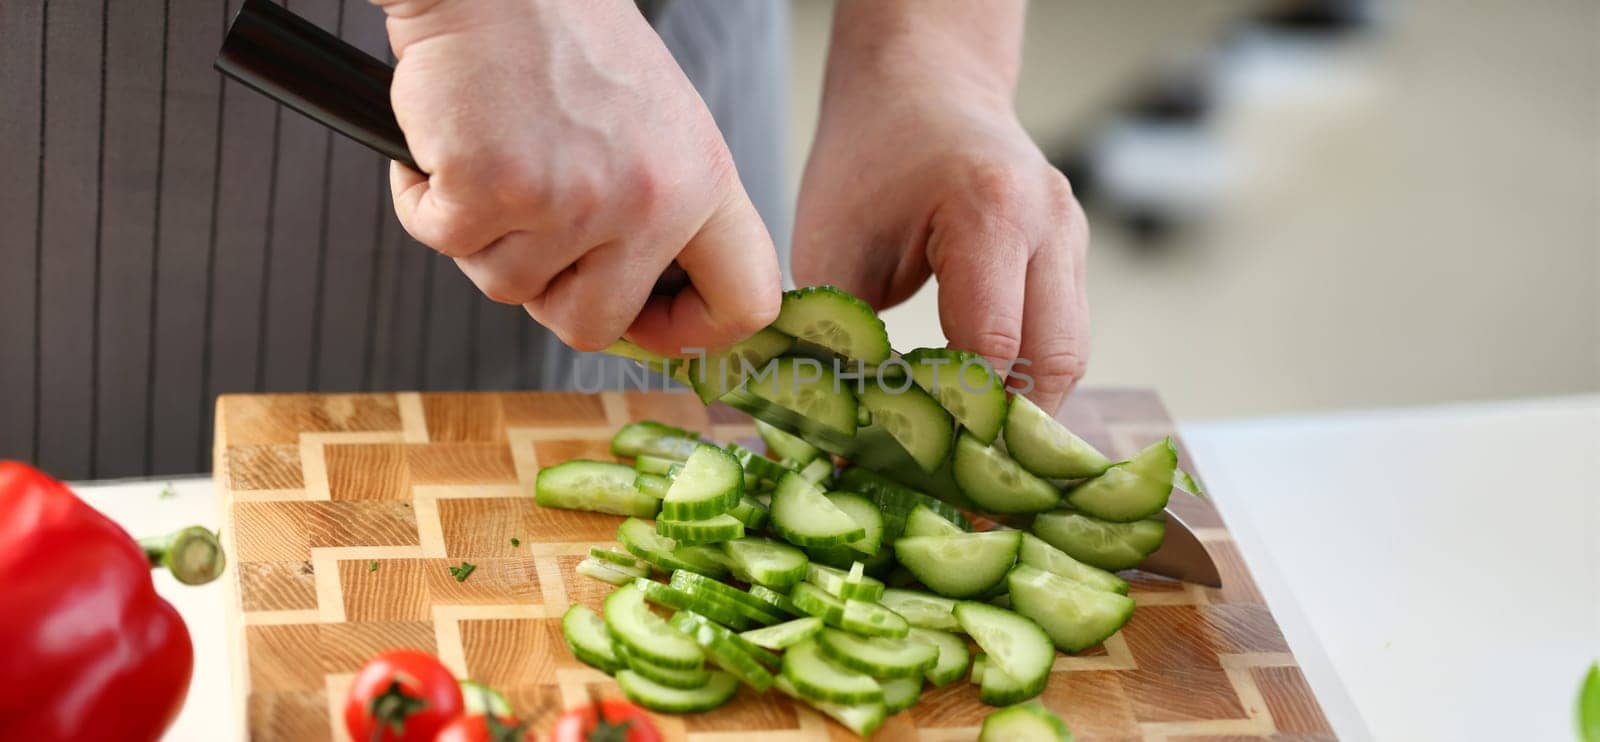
[{"x": 88, "y": 651}]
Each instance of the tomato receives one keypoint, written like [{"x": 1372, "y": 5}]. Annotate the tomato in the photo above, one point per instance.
[
  {"x": 619, "y": 721},
  {"x": 482, "y": 728},
  {"x": 402, "y": 695}
]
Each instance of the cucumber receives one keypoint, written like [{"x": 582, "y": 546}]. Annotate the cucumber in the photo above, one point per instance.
[
  {"x": 842, "y": 557},
  {"x": 896, "y": 501},
  {"x": 999, "y": 688},
  {"x": 1027, "y": 722},
  {"x": 1075, "y": 615},
  {"x": 1043, "y": 446},
  {"x": 707, "y": 559},
  {"x": 595, "y": 486},
  {"x": 803, "y": 516},
  {"x": 620, "y": 559},
  {"x": 630, "y": 622},
  {"x": 803, "y": 396},
  {"x": 965, "y": 385},
  {"x": 724, "y": 648},
  {"x": 996, "y": 483},
  {"x": 668, "y": 676},
  {"x": 921, "y": 609},
  {"x": 651, "y": 360},
  {"x": 715, "y": 530},
  {"x": 861, "y": 587},
  {"x": 775, "y": 600},
  {"x": 641, "y": 540},
  {"x": 1109, "y": 546},
  {"x": 585, "y": 634},
  {"x": 960, "y": 566},
  {"x": 900, "y": 694},
  {"x": 685, "y": 621},
  {"x": 952, "y": 658},
  {"x": 924, "y": 522},
  {"x": 865, "y": 514},
  {"x": 712, "y": 375},
  {"x": 979, "y": 665},
  {"x": 607, "y": 572},
  {"x": 764, "y": 562},
  {"x": 750, "y": 512},
  {"x": 913, "y": 418},
  {"x": 650, "y": 438},
  {"x": 844, "y": 585},
  {"x": 878, "y": 656},
  {"x": 872, "y": 619},
  {"x": 818, "y": 678},
  {"x": 786, "y": 634},
  {"x": 1132, "y": 490},
  {"x": 1038, "y": 553},
  {"x": 654, "y": 485},
  {"x": 786, "y": 446},
  {"x": 814, "y": 601},
  {"x": 756, "y": 464},
  {"x": 477, "y": 698},
  {"x": 836, "y": 320},
  {"x": 710, "y": 483},
  {"x": 863, "y": 719},
  {"x": 647, "y": 464},
  {"x": 818, "y": 471},
  {"x": 657, "y": 697},
  {"x": 680, "y": 600},
  {"x": 1016, "y": 646},
  {"x": 742, "y": 602}
]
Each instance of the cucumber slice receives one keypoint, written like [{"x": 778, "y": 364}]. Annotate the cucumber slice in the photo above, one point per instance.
[
  {"x": 842, "y": 557},
  {"x": 900, "y": 694},
  {"x": 862, "y": 719},
  {"x": 801, "y": 395},
  {"x": 814, "y": 601},
  {"x": 818, "y": 678},
  {"x": 477, "y": 698},
  {"x": 861, "y": 587},
  {"x": 724, "y": 527},
  {"x": 654, "y": 485},
  {"x": 651, "y": 360},
  {"x": 607, "y": 572},
  {"x": 1109, "y": 546},
  {"x": 924, "y": 522},
  {"x": 951, "y": 663},
  {"x": 710, "y": 483},
  {"x": 756, "y": 610},
  {"x": 786, "y": 634},
  {"x": 803, "y": 516},
  {"x": 620, "y": 559},
  {"x": 896, "y": 501},
  {"x": 960, "y": 566},
  {"x": 1131, "y": 490},
  {"x": 836, "y": 320},
  {"x": 980, "y": 664},
  {"x": 996, "y": 483},
  {"x": 647, "y": 464},
  {"x": 756, "y": 464},
  {"x": 865, "y": 514},
  {"x": 630, "y": 622},
  {"x": 713, "y": 375},
  {"x": 585, "y": 634},
  {"x": 706, "y": 559},
  {"x": 878, "y": 656},
  {"x": 1038, "y": 553},
  {"x": 1015, "y": 644},
  {"x": 681, "y": 600},
  {"x": 872, "y": 619},
  {"x": 668, "y": 676},
  {"x": 641, "y": 540},
  {"x": 1043, "y": 446},
  {"x": 818, "y": 471},
  {"x": 786, "y": 446},
  {"x": 724, "y": 648},
  {"x": 913, "y": 418},
  {"x": 921, "y": 609},
  {"x": 764, "y": 562},
  {"x": 1025, "y": 723},
  {"x": 686, "y": 620},
  {"x": 657, "y": 697},
  {"x": 844, "y": 585},
  {"x": 749, "y": 511},
  {"x": 776, "y": 600},
  {"x": 650, "y": 438},
  {"x": 1075, "y": 615},
  {"x": 595, "y": 486},
  {"x": 965, "y": 385},
  {"x": 999, "y": 688}
]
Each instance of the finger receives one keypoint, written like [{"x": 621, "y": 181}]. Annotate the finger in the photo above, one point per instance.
[
  {"x": 980, "y": 260},
  {"x": 593, "y": 301},
  {"x": 437, "y": 221},
  {"x": 518, "y": 267},
  {"x": 1055, "y": 320},
  {"x": 736, "y": 288}
]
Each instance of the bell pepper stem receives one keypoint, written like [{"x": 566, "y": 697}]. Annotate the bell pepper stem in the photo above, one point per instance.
[{"x": 193, "y": 555}]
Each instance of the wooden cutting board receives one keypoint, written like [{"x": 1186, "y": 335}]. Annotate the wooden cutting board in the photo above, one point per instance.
[{"x": 317, "y": 489}]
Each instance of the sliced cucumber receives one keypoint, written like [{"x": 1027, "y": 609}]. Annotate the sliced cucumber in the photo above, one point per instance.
[
  {"x": 595, "y": 486},
  {"x": 878, "y": 656},
  {"x": 863, "y": 719},
  {"x": 641, "y": 540},
  {"x": 647, "y": 464},
  {"x": 965, "y": 385},
  {"x": 836, "y": 320},
  {"x": 1109, "y": 546},
  {"x": 1043, "y": 446},
  {"x": 814, "y": 601},
  {"x": 710, "y": 483},
  {"x": 865, "y": 514},
  {"x": 651, "y": 360},
  {"x": 477, "y": 698},
  {"x": 787, "y": 446},
  {"x": 745, "y": 604},
  {"x": 962, "y": 565},
  {"x": 913, "y": 418},
  {"x": 1132, "y": 490},
  {"x": 1037, "y": 552},
  {"x": 980, "y": 664},
  {"x": 999, "y": 688},
  {"x": 996, "y": 483},
  {"x": 951, "y": 663},
  {"x": 844, "y": 585},
  {"x": 724, "y": 648},
  {"x": 630, "y": 622},
  {"x": 775, "y": 600},
  {"x": 714, "y": 374},
  {"x": 620, "y": 559},
  {"x": 818, "y": 678},
  {"x": 756, "y": 464},
  {"x": 1015, "y": 644},
  {"x": 861, "y": 587},
  {"x": 607, "y": 572},
  {"x": 872, "y": 619},
  {"x": 765, "y": 562},
  {"x": 671, "y": 677},
  {"x": 706, "y": 559},
  {"x": 1024, "y": 723},
  {"x": 818, "y": 471},
  {"x": 657, "y": 697},
  {"x": 801, "y": 395},
  {"x": 803, "y": 516},
  {"x": 685, "y": 621},
  {"x": 585, "y": 634},
  {"x": 649, "y": 438},
  {"x": 680, "y": 600},
  {"x": 842, "y": 557},
  {"x": 896, "y": 501},
  {"x": 654, "y": 485},
  {"x": 786, "y": 634},
  {"x": 1075, "y": 615},
  {"x": 714, "y": 530},
  {"x": 750, "y": 512},
  {"x": 900, "y": 694},
  {"x": 921, "y": 609},
  {"x": 924, "y": 522}
]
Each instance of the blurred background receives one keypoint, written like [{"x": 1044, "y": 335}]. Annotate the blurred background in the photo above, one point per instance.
[{"x": 1314, "y": 205}]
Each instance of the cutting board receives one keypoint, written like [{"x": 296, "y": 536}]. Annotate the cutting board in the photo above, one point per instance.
[{"x": 343, "y": 514}]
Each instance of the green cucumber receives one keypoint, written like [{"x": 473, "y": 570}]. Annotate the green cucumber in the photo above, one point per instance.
[
  {"x": 842, "y": 557},
  {"x": 1043, "y": 446},
  {"x": 818, "y": 678},
  {"x": 803, "y": 516},
  {"x": 980, "y": 664},
  {"x": 1075, "y": 615},
  {"x": 775, "y": 600},
  {"x": 996, "y": 483},
  {"x": 680, "y": 600},
  {"x": 818, "y": 471},
  {"x": 1016, "y": 646},
  {"x": 650, "y": 438},
  {"x": 787, "y": 446},
  {"x": 872, "y": 619},
  {"x": 999, "y": 688},
  {"x": 900, "y": 694},
  {"x": 654, "y": 485},
  {"x": 595, "y": 486},
  {"x": 745, "y": 604},
  {"x": 913, "y": 418},
  {"x": 647, "y": 464},
  {"x": 620, "y": 559},
  {"x": 1098, "y": 543},
  {"x": 757, "y": 464},
  {"x": 952, "y": 658},
  {"x": 965, "y": 385},
  {"x": 960, "y": 566},
  {"x": 784, "y": 635},
  {"x": 1037, "y": 552},
  {"x": 607, "y": 572},
  {"x": 865, "y": 514},
  {"x": 724, "y": 648},
  {"x": 1028, "y": 722},
  {"x": 651, "y": 360},
  {"x": 814, "y": 601},
  {"x": 803, "y": 396},
  {"x": 714, "y": 374},
  {"x": 715, "y": 530},
  {"x": 878, "y": 656},
  {"x": 842, "y": 584},
  {"x": 641, "y": 540},
  {"x": 657, "y": 697},
  {"x": 710, "y": 483},
  {"x": 669, "y": 676},
  {"x": 896, "y": 501},
  {"x": 924, "y": 522},
  {"x": 630, "y": 622},
  {"x": 477, "y": 698},
  {"x": 836, "y": 320},
  {"x": 750, "y": 512},
  {"x": 921, "y": 609},
  {"x": 585, "y": 634},
  {"x": 685, "y": 621},
  {"x": 1131, "y": 490},
  {"x": 862, "y": 718},
  {"x": 765, "y": 562}
]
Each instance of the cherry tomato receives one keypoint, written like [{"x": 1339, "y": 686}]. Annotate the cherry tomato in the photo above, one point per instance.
[
  {"x": 482, "y": 728},
  {"x": 621, "y": 722},
  {"x": 402, "y": 695}
]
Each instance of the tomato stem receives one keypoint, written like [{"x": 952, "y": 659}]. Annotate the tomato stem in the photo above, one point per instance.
[{"x": 193, "y": 555}]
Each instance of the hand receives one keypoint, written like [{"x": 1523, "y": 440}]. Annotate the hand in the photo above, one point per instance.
[
  {"x": 570, "y": 161},
  {"x": 910, "y": 176}
]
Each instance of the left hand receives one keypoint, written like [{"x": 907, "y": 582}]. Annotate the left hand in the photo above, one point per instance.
[{"x": 911, "y": 176}]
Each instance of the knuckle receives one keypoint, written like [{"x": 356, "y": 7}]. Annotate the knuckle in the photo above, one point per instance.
[
  {"x": 1059, "y": 368},
  {"x": 999, "y": 341},
  {"x": 996, "y": 188}
]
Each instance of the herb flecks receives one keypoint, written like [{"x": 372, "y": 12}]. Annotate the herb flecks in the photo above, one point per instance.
[
  {"x": 168, "y": 492},
  {"x": 372, "y": 566},
  {"x": 461, "y": 572},
  {"x": 515, "y": 542}
]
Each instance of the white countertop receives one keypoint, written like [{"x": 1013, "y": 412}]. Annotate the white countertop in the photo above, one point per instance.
[{"x": 1436, "y": 570}]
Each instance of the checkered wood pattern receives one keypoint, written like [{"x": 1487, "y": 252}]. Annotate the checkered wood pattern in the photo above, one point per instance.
[{"x": 317, "y": 488}]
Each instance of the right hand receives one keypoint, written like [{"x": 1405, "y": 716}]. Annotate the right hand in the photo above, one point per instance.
[{"x": 570, "y": 162}]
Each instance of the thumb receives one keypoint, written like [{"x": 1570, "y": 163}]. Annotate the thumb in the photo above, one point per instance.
[{"x": 980, "y": 263}]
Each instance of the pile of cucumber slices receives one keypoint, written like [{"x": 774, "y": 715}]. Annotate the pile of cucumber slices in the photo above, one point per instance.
[{"x": 848, "y": 589}]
